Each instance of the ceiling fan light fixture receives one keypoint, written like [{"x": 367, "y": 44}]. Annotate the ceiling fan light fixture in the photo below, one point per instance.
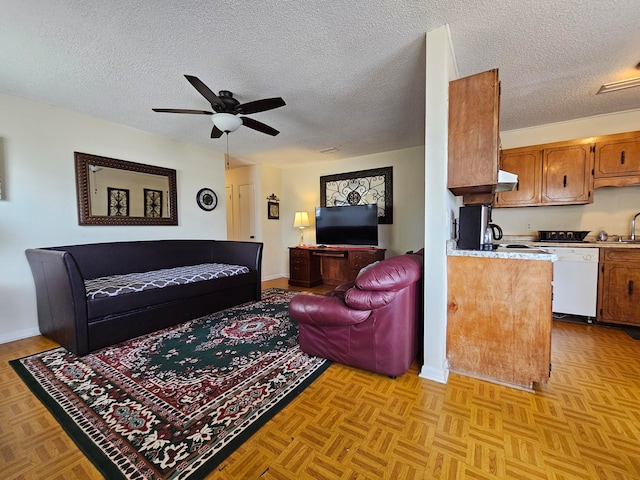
[
  {"x": 226, "y": 122},
  {"x": 619, "y": 85}
]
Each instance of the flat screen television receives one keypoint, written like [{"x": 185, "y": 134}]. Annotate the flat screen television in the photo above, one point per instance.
[{"x": 353, "y": 225}]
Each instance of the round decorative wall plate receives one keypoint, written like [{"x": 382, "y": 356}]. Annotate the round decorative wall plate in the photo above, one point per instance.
[{"x": 207, "y": 199}]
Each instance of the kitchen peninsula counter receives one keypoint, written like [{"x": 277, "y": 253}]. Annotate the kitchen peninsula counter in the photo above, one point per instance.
[
  {"x": 503, "y": 252},
  {"x": 499, "y": 315}
]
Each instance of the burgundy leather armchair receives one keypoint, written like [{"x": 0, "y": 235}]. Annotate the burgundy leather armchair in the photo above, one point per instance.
[{"x": 370, "y": 323}]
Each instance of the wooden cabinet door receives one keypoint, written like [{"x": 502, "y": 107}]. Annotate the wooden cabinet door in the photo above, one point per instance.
[
  {"x": 617, "y": 161},
  {"x": 528, "y": 166},
  {"x": 619, "y": 289},
  {"x": 474, "y": 110},
  {"x": 566, "y": 175}
]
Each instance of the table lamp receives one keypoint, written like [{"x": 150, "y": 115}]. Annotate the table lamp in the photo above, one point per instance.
[{"x": 301, "y": 220}]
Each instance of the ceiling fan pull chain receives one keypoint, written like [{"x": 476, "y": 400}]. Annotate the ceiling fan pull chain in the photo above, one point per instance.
[{"x": 226, "y": 157}]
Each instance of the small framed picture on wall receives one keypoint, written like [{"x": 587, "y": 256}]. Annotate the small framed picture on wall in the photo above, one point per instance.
[{"x": 273, "y": 210}]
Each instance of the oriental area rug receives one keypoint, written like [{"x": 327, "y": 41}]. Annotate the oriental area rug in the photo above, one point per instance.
[{"x": 175, "y": 403}]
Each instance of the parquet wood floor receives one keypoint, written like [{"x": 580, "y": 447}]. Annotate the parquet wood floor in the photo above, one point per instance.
[{"x": 355, "y": 425}]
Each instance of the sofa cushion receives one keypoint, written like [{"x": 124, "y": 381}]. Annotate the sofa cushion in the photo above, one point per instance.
[
  {"x": 100, "y": 307},
  {"x": 113, "y": 285}
]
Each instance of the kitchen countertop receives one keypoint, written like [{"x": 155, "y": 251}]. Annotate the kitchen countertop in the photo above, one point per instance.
[
  {"x": 598, "y": 244},
  {"x": 589, "y": 242},
  {"x": 534, "y": 249},
  {"x": 502, "y": 252}
]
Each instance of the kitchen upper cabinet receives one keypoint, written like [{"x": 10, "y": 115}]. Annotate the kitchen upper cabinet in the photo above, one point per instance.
[
  {"x": 550, "y": 174},
  {"x": 474, "y": 113},
  {"x": 617, "y": 160},
  {"x": 527, "y": 164},
  {"x": 567, "y": 175},
  {"x": 619, "y": 286}
]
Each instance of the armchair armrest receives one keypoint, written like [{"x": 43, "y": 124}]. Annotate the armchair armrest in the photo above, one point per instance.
[
  {"x": 368, "y": 299},
  {"x": 322, "y": 310}
]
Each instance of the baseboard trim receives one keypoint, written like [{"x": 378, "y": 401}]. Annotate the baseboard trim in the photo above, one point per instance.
[
  {"x": 431, "y": 373},
  {"x": 19, "y": 335},
  {"x": 273, "y": 277}
]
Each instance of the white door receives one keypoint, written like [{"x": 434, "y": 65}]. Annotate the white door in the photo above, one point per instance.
[
  {"x": 231, "y": 235},
  {"x": 246, "y": 214}
]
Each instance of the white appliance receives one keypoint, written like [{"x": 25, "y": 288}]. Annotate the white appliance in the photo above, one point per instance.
[{"x": 575, "y": 280}]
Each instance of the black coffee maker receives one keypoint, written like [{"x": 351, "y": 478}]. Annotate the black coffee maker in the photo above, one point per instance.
[{"x": 475, "y": 230}]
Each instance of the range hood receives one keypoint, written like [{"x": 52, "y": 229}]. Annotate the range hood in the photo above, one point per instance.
[{"x": 506, "y": 181}]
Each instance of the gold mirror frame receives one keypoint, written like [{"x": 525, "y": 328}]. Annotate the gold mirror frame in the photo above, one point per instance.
[{"x": 84, "y": 160}]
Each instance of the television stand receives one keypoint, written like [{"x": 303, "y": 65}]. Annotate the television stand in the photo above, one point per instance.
[{"x": 315, "y": 265}]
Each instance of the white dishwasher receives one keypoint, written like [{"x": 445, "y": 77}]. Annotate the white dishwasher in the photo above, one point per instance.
[{"x": 575, "y": 280}]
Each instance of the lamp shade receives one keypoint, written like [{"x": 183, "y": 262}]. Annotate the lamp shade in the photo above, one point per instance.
[
  {"x": 301, "y": 219},
  {"x": 226, "y": 122}
]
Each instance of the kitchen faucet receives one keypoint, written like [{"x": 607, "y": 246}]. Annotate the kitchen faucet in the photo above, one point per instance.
[{"x": 633, "y": 226}]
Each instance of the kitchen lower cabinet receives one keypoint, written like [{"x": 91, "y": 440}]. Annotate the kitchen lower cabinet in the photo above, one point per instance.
[
  {"x": 499, "y": 319},
  {"x": 619, "y": 286}
]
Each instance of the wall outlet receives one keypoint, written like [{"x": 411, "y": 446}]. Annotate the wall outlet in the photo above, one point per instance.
[{"x": 528, "y": 225}]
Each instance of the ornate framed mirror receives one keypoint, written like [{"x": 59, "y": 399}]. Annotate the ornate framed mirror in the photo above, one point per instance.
[{"x": 117, "y": 192}]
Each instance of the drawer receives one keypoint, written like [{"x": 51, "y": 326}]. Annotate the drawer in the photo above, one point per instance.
[
  {"x": 299, "y": 273},
  {"x": 299, "y": 262},
  {"x": 620, "y": 255},
  {"x": 297, "y": 252},
  {"x": 357, "y": 260}
]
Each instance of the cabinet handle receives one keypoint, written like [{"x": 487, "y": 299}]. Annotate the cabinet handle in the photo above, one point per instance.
[
  {"x": 622, "y": 158},
  {"x": 564, "y": 182},
  {"x": 630, "y": 287}
]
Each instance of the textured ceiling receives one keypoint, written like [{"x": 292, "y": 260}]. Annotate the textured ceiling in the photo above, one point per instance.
[{"x": 351, "y": 71}]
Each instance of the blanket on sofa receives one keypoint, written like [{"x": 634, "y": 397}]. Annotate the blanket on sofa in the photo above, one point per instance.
[{"x": 113, "y": 285}]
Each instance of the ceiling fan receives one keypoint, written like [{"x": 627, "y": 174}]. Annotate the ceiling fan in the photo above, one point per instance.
[{"x": 226, "y": 110}]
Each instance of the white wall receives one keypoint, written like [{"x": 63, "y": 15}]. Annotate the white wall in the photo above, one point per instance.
[
  {"x": 272, "y": 256},
  {"x": 612, "y": 208},
  {"x": 301, "y": 191},
  {"x": 439, "y": 203},
  {"x": 39, "y": 205}
]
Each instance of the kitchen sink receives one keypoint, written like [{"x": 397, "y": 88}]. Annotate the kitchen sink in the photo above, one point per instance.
[{"x": 625, "y": 239}]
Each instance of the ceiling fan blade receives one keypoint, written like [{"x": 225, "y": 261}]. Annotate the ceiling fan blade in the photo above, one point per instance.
[
  {"x": 259, "y": 126},
  {"x": 260, "y": 105},
  {"x": 216, "y": 132},
  {"x": 181, "y": 110},
  {"x": 205, "y": 91}
]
